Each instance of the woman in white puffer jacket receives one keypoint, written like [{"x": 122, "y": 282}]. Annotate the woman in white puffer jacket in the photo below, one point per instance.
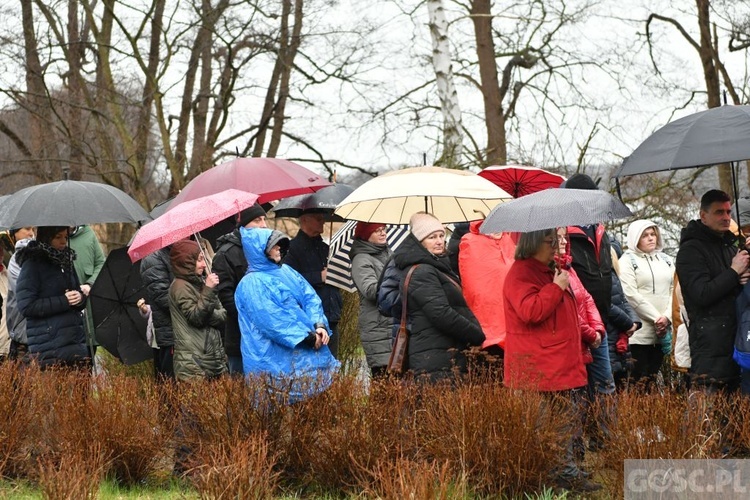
[{"x": 647, "y": 276}]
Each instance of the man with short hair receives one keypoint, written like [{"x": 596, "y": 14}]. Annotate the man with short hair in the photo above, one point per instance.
[
  {"x": 712, "y": 265},
  {"x": 230, "y": 264},
  {"x": 308, "y": 255}
]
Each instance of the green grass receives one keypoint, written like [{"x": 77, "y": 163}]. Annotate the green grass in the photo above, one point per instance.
[{"x": 107, "y": 491}]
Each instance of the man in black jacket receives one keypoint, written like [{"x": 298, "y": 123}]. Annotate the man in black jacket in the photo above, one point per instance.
[
  {"x": 711, "y": 269},
  {"x": 230, "y": 265},
  {"x": 308, "y": 255},
  {"x": 156, "y": 275}
]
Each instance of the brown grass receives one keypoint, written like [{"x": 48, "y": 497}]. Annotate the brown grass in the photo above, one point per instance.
[
  {"x": 649, "y": 426},
  {"x": 244, "y": 469},
  {"x": 397, "y": 439}
]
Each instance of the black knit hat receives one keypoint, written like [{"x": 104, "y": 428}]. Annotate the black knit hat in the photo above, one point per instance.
[
  {"x": 579, "y": 181},
  {"x": 249, "y": 214}
]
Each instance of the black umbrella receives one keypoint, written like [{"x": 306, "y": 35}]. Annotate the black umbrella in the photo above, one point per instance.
[
  {"x": 323, "y": 201},
  {"x": 120, "y": 329},
  {"x": 69, "y": 203},
  {"x": 711, "y": 137},
  {"x": 555, "y": 207}
]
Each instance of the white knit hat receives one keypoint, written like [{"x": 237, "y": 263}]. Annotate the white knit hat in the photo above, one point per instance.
[{"x": 423, "y": 224}]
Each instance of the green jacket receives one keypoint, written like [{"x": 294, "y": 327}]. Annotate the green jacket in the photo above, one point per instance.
[
  {"x": 89, "y": 261},
  {"x": 197, "y": 320}
]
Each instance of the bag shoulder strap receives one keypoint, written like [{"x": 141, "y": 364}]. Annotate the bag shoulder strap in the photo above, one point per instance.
[{"x": 405, "y": 293}]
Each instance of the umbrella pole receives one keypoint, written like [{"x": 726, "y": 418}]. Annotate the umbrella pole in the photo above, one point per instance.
[{"x": 198, "y": 239}]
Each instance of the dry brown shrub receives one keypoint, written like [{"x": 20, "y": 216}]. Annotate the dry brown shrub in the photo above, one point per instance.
[
  {"x": 244, "y": 469},
  {"x": 339, "y": 436},
  {"x": 72, "y": 475},
  {"x": 61, "y": 418},
  {"x": 404, "y": 478},
  {"x": 738, "y": 426},
  {"x": 502, "y": 441},
  {"x": 15, "y": 415},
  {"x": 128, "y": 426},
  {"x": 669, "y": 425}
]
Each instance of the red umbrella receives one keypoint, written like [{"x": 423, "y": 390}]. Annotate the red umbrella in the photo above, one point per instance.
[
  {"x": 188, "y": 218},
  {"x": 271, "y": 178},
  {"x": 519, "y": 180}
]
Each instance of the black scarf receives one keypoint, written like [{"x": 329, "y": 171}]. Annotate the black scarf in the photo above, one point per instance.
[{"x": 63, "y": 258}]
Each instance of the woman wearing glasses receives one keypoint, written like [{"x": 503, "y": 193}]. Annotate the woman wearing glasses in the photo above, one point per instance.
[
  {"x": 369, "y": 254},
  {"x": 543, "y": 342}
]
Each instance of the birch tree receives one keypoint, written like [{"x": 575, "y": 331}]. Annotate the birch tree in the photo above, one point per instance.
[{"x": 446, "y": 89}]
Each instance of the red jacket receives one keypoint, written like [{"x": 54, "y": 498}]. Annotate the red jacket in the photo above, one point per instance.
[
  {"x": 484, "y": 262},
  {"x": 543, "y": 343},
  {"x": 588, "y": 316}
]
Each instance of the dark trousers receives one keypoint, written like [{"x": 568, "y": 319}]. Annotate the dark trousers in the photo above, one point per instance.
[
  {"x": 164, "y": 363},
  {"x": 333, "y": 344},
  {"x": 647, "y": 360}
]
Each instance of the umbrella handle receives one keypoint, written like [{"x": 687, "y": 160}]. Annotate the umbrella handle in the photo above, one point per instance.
[{"x": 198, "y": 239}]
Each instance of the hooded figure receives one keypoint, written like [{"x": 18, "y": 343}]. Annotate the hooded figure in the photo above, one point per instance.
[
  {"x": 49, "y": 296},
  {"x": 279, "y": 313},
  {"x": 197, "y": 316},
  {"x": 647, "y": 277}
]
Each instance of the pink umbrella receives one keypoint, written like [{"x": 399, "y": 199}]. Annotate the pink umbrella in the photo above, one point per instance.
[
  {"x": 519, "y": 180},
  {"x": 271, "y": 178},
  {"x": 188, "y": 218}
]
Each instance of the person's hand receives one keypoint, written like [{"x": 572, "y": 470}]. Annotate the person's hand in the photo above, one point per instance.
[
  {"x": 740, "y": 262},
  {"x": 142, "y": 305},
  {"x": 86, "y": 289},
  {"x": 561, "y": 279},
  {"x": 322, "y": 337},
  {"x": 212, "y": 280},
  {"x": 632, "y": 330},
  {"x": 74, "y": 297},
  {"x": 661, "y": 325},
  {"x": 324, "y": 274},
  {"x": 745, "y": 277},
  {"x": 595, "y": 344}
]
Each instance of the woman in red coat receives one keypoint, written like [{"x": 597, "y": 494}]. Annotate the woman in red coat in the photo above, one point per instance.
[{"x": 543, "y": 342}]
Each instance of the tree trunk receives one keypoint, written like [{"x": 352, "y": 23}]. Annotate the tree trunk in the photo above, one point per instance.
[
  {"x": 494, "y": 117},
  {"x": 74, "y": 54},
  {"x": 449, "y": 105},
  {"x": 287, "y": 52},
  {"x": 711, "y": 77},
  {"x": 36, "y": 89}
]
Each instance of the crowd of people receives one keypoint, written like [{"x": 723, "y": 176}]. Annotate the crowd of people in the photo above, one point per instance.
[{"x": 569, "y": 313}]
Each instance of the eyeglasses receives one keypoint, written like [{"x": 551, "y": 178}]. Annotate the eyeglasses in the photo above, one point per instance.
[
  {"x": 380, "y": 230},
  {"x": 551, "y": 242}
]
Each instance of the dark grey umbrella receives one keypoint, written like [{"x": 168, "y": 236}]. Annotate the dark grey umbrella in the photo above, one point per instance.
[
  {"x": 323, "y": 201},
  {"x": 69, "y": 203},
  {"x": 554, "y": 207},
  {"x": 717, "y": 135},
  {"x": 119, "y": 326}
]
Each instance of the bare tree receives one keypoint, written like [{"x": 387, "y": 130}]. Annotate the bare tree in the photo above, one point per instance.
[
  {"x": 707, "y": 44},
  {"x": 449, "y": 105}
]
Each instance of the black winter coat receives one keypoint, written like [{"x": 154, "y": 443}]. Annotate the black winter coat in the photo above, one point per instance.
[
  {"x": 54, "y": 328},
  {"x": 309, "y": 256},
  {"x": 621, "y": 317},
  {"x": 156, "y": 275},
  {"x": 442, "y": 325},
  {"x": 230, "y": 265},
  {"x": 592, "y": 261},
  {"x": 710, "y": 288}
]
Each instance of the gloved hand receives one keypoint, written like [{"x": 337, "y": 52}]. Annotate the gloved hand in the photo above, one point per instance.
[{"x": 621, "y": 346}]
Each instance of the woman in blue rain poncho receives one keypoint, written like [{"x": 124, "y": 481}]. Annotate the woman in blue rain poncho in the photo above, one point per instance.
[{"x": 284, "y": 330}]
